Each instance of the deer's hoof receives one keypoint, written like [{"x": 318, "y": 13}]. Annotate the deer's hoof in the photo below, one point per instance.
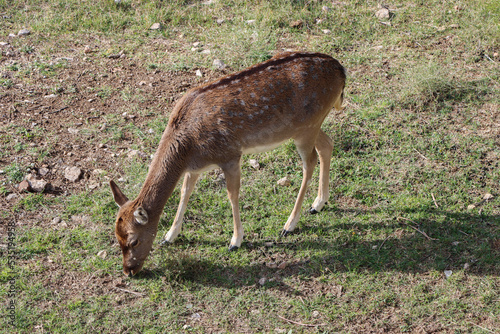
[
  {"x": 233, "y": 248},
  {"x": 284, "y": 233},
  {"x": 313, "y": 211},
  {"x": 165, "y": 242}
]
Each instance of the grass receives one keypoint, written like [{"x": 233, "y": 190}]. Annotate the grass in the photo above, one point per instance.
[{"x": 415, "y": 146}]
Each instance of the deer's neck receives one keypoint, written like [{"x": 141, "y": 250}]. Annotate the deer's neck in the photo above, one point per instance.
[{"x": 167, "y": 167}]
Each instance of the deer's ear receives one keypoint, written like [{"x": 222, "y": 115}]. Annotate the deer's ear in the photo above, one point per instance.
[
  {"x": 119, "y": 197},
  {"x": 141, "y": 216}
]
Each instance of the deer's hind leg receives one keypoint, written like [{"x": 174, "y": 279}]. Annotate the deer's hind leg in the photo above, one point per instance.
[
  {"x": 309, "y": 161},
  {"x": 324, "y": 147}
]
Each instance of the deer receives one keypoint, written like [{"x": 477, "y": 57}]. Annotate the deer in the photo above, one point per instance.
[{"x": 213, "y": 125}]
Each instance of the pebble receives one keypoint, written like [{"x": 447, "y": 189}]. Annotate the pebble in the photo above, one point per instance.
[
  {"x": 24, "y": 186},
  {"x": 73, "y": 131},
  {"x": 155, "y": 26},
  {"x": 254, "y": 163},
  {"x": 73, "y": 174},
  {"x": 56, "y": 220},
  {"x": 315, "y": 314},
  {"x": 383, "y": 13},
  {"x": 262, "y": 281},
  {"x": 43, "y": 171},
  {"x": 39, "y": 186},
  {"x": 219, "y": 64},
  {"x": 11, "y": 197},
  {"x": 23, "y": 32},
  {"x": 102, "y": 254},
  {"x": 136, "y": 153},
  {"x": 198, "y": 73},
  {"x": 285, "y": 182},
  {"x": 220, "y": 21}
]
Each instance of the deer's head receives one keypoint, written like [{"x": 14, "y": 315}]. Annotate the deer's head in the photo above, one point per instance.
[{"x": 134, "y": 231}]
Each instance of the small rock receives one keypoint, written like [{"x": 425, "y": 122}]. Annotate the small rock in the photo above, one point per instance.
[
  {"x": 24, "y": 186},
  {"x": 39, "y": 186},
  {"x": 73, "y": 131},
  {"x": 262, "y": 281},
  {"x": 383, "y": 13},
  {"x": 12, "y": 35},
  {"x": 326, "y": 31},
  {"x": 23, "y": 32},
  {"x": 254, "y": 163},
  {"x": 50, "y": 96},
  {"x": 87, "y": 49},
  {"x": 315, "y": 314},
  {"x": 471, "y": 207},
  {"x": 282, "y": 265},
  {"x": 206, "y": 52},
  {"x": 198, "y": 73},
  {"x": 447, "y": 273},
  {"x": 136, "y": 153},
  {"x": 296, "y": 24},
  {"x": 142, "y": 83},
  {"x": 43, "y": 171},
  {"x": 195, "y": 316},
  {"x": 196, "y": 44},
  {"x": 11, "y": 197},
  {"x": 220, "y": 21},
  {"x": 4, "y": 43},
  {"x": 56, "y": 220},
  {"x": 102, "y": 254},
  {"x": 80, "y": 219},
  {"x": 284, "y": 182},
  {"x": 186, "y": 327},
  {"x": 189, "y": 306},
  {"x": 73, "y": 174},
  {"x": 219, "y": 64},
  {"x": 488, "y": 196},
  {"x": 155, "y": 26}
]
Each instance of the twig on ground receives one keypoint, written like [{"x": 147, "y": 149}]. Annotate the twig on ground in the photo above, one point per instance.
[
  {"x": 383, "y": 242},
  {"x": 416, "y": 228},
  {"x": 434, "y": 199},
  {"x": 299, "y": 323},
  {"x": 128, "y": 291},
  {"x": 423, "y": 156}
]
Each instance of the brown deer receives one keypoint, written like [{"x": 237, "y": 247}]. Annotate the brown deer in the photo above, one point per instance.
[{"x": 254, "y": 110}]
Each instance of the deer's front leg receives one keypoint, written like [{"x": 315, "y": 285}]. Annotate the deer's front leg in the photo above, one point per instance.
[
  {"x": 186, "y": 191},
  {"x": 233, "y": 173}
]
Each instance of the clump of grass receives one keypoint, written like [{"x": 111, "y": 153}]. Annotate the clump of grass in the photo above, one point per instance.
[
  {"x": 14, "y": 172},
  {"x": 431, "y": 88}
]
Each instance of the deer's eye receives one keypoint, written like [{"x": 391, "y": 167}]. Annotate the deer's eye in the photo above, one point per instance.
[{"x": 134, "y": 243}]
